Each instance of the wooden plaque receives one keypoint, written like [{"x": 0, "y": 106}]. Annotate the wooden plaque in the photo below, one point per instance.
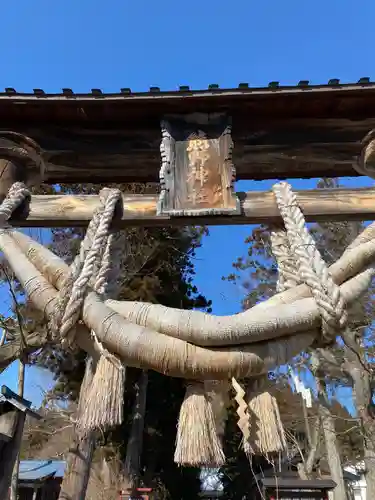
[{"x": 197, "y": 173}]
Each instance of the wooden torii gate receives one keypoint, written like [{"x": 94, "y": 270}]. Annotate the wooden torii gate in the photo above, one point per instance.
[
  {"x": 277, "y": 132},
  {"x": 194, "y": 145}
]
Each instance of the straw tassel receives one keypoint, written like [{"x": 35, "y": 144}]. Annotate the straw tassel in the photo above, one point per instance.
[
  {"x": 104, "y": 402},
  {"x": 267, "y": 435},
  {"x": 218, "y": 393},
  {"x": 85, "y": 386},
  {"x": 197, "y": 442}
]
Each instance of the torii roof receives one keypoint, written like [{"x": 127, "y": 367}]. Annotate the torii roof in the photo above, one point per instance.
[{"x": 278, "y": 131}]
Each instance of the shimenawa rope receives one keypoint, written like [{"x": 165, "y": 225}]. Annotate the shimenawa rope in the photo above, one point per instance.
[
  {"x": 93, "y": 265},
  {"x": 97, "y": 265}
]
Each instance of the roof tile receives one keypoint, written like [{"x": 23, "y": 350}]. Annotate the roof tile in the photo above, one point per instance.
[{"x": 37, "y": 470}]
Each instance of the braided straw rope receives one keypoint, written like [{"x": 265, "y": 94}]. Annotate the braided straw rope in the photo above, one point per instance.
[
  {"x": 97, "y": 266},
  {"x": 94, "y": 260},
  {"x": 17, "y": 194},
  {"x": 312, "y": 269},
  {"x": 288, "y": 275},
  {"x": 298, "y": 261}
]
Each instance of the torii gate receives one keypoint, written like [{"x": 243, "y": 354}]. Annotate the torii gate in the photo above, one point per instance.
[{"x": 207, "y": 139}]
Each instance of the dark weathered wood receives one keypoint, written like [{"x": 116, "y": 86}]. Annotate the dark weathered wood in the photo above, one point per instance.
[
  {"x": 279, "y": 132},
  {"x": 19, "y": 402},
  {"x": 16, "y": 467},
  {"x": 281, "y": 149},
  {"x": 8, "y": 456},
  {"x": 20, "y": 160},
  {"x": 197, "y": 173},
  {"x": 134, "y": 447},
  {"x": 10, "y": 172},
  {"x": 8, "y": 422},
  {"x": 256, "y": 207},
  {"x": 10, "y": 449}
]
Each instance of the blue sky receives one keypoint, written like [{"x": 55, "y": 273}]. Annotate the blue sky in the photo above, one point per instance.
[{"x": 91, "y": 44}]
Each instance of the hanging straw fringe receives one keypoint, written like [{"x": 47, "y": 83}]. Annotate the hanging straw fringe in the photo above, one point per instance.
[
  {"x": 298, "y": 261},
  {"x": 217, "y": 392},
  {"x": 104, "y": 401},
  {"x": 85, "y": 386},
  {"x": 259, "y": 416},
  {"x": 197, "y": 442},
  {"x": 267, "y": 435},
  {"x": 259, "y": 419},
  {"x": 104, "y": 405}
]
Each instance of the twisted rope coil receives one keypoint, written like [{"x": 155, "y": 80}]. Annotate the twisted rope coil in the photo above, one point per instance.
[
  {"x": 94, "y": 264},
  {"x": 97, "y": 266}
]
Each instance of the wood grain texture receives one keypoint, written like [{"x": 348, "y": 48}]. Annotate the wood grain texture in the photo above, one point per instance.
[
  {"x": 8, "y": 455},
  {"x": 279, "y": 132},
  {"x": 264, "y": 149},
  {"x": 197, "y": 173},
  {"x": 8, "y": 422},
  {"x": 256, "y": 207}
]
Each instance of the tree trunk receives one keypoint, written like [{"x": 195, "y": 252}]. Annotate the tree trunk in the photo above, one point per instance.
[
  {"x": 21, "y": 387},
  {"x": 76, "y": 477},
  {"x": 363, "y": 398},
  {"x": 8, "y": 456},
  {"x": 332, "y": 446},
  {"x": 135, "y": 442},
  {"x": 333, "y": 454},
  {"x": 305, "y": 470},
  {"x": 355, "y": 366},
  {"x": 329, "y": 431}
]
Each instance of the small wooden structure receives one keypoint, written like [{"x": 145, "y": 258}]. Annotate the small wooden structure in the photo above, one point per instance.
[
  {"x": 138, "y": 494},
  {"x": 290, "y": 488},
  {"x": 40, "y": 479},
  {"x": 13, "y": 412}
]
